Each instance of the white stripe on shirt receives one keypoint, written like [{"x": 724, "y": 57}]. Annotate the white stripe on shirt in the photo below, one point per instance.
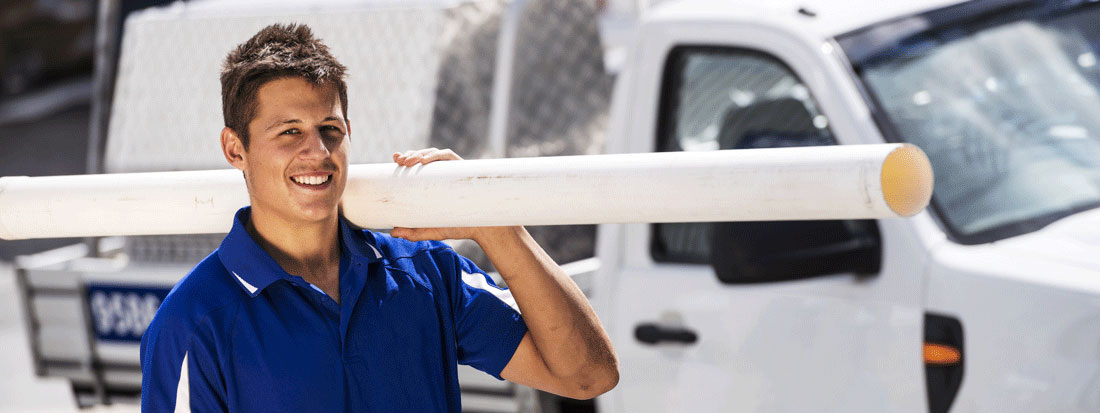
[
  {"x": 183, "y": 389},
  {"x": 478, "y": 280}
]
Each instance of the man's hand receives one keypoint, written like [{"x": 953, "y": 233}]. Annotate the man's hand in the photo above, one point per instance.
[{"x": 424, "y": 157}]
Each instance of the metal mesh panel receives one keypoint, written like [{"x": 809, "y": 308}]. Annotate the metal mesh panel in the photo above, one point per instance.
[
  {"x": 460, "y": 112},
  {"x": 166, "y": 113},
  {"x": 559, "y": 99},
  {"x": 561, "y": 93},
  {"x": 560, "y": 90},
  {"x": 418, "y": 74}
]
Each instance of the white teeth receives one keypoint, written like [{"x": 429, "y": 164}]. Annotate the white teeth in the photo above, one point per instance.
[{"x": 311, "y": 180}]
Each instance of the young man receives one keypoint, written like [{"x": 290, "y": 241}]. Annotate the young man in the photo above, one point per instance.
[{"x": 299, "y": 311}]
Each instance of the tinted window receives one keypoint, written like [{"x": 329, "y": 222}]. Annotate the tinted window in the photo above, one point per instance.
[{"x": 729, "y": 99}]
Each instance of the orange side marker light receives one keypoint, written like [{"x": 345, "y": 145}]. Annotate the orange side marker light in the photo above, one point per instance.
[{"x": 941, "y": 355}]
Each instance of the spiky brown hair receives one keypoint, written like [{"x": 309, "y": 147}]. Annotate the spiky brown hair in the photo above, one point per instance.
[{"x": 277, "y": 51}]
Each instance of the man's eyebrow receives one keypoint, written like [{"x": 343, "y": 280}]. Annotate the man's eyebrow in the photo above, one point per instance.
[
  {"x": 287, "y": 121},
  {"x": 283, "y": 122}
]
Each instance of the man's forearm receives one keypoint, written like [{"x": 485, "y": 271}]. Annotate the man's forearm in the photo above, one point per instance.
[{"x": 561, "y": 322}]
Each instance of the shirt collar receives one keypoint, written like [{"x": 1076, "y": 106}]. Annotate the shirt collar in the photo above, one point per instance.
[{"x": 254, "y": 268}]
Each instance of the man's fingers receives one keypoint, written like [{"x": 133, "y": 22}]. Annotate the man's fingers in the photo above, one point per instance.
[
  {"x": 419, "y": 156},
  {"x": 416, "y": 234},
  {"x": 409, "y": 161},
  {"x": 421, "y": 153},
  {"x": 443, "y": 155},
  {"x": 401, "y": 158},
  {"x": 432, "y": 234},
  {"x": 412, "y": 157},
  {"x": 424, "y": 156},
  {"x": 404, "y": 233}
]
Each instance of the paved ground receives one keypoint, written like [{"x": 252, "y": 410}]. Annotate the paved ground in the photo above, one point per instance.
[{"x": 20, "y": 390}]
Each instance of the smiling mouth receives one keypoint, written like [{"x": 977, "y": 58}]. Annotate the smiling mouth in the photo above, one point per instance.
[{"x": 312, "y": 181}]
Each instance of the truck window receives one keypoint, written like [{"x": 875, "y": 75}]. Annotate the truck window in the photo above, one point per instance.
[{"x": 723, "y": 98}]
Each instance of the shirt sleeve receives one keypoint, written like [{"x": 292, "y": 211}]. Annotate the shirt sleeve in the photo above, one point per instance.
[
  {"x": 179, "y": 371},
  {"x": 488, "y": 324}
]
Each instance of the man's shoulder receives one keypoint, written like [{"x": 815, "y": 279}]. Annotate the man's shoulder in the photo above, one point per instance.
[
  {"x": 205, "y": 290},
  {"x": 428, "y": 263},
  {"x": 394, "y": 249}
]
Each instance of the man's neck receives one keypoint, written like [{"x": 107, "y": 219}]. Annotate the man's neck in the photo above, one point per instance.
[{"x": 309, "y": 250}]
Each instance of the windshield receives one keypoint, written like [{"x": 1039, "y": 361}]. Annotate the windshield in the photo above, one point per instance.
[{"x": 1006, "y": 105}]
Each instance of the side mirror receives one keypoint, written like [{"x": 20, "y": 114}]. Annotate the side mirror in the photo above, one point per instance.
[{"x": 755, "y": 252}]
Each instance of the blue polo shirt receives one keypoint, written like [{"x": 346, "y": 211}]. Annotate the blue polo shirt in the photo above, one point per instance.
[{"x": 240, "y": 334}]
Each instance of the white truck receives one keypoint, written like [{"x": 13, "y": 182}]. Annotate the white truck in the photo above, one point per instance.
[
  {"x": 987, "y": 301},
  {"x": 1001, "y": 273}
]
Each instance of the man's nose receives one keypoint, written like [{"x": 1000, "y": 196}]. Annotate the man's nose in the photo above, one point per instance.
[{"x": 313, "y": 146}]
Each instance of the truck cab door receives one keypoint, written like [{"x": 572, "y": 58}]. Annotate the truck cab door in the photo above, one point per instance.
[{"x": 764, "y": 316}]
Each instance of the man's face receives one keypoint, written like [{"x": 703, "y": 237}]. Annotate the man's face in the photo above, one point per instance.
[{"x": 296, "y": 161}]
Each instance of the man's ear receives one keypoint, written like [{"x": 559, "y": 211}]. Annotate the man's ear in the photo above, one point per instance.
[
  {"x": 347, "y": 122},
  {"x": 233, "y": 148}
]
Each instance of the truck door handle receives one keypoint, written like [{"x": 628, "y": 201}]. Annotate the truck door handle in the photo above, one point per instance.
[{"x": 652, "y": 333}]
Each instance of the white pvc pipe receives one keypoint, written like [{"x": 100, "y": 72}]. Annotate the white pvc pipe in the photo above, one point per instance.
[{"x": 832, "y": 182}]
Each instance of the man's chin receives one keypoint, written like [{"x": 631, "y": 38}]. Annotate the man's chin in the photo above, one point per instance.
[
  {"x": 315, "y": 213},
  {"x": 301, "y": 214}
]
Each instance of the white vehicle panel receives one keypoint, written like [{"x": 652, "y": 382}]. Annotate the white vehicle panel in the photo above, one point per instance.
[
  {"x": 842, "y": 342},
  {"x": 1031, "y": 328}
]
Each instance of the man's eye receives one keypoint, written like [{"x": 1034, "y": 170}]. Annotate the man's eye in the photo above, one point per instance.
[
  {"x": 290, "y": 132},
  {"x": 331, "y": 128}
]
